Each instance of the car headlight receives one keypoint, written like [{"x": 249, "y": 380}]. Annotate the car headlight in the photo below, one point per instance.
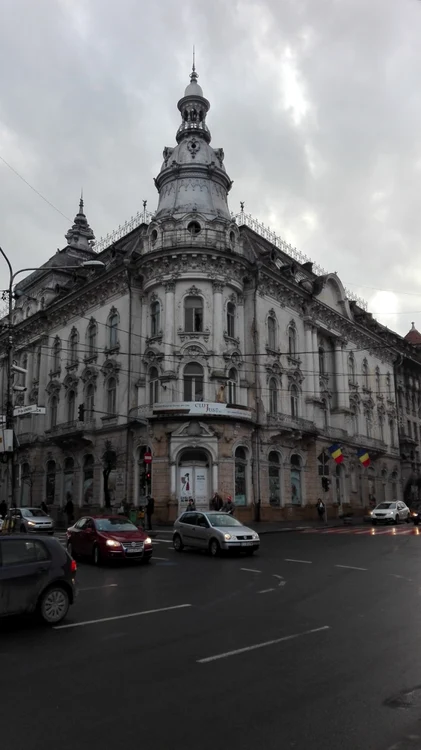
[
  {"x": 31, "y": 523},
  {"x": 255, "y": 536},
  {"x": 371, "y": 513},
  {"x": 112, "y": 543},
  {"x": 229, "y": 537},
  {"x": 148, "y": 540}
]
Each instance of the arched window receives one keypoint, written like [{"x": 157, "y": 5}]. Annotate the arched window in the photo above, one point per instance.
[
  {"x": 274, "y": 479},
  {"x": 25, "y": 485},
  {"x": 88, "y": 479},
  {"x": 322, "y": 361},
  {"x": 92, "y": 338},
  {"x": 111, "y": 396},
  {"x": 231, "y": 319},
  {"x": 271, "y": 332},
  {"x": 193, "y": 382},
  {"x": 292, "y": 340},
  {"x": 368, "y": 425},
  {"x": 90, "y": 401},
  {"x": 273, "y": 396},
  {"x": 50, "y": 482},
  {"x": 155, "y": 310},
  {"x": 232, "y": 386},
  {"x": 71, "y": 403},
  {"x": 69, "y": 473},
  {"x": 53, "y": 411},
  {"x": 37, "y": 365},
  {"x": 73, "y": 342},
  {"x": 56, "y": 354},
  {"x": 294, "y": 400},
  {"x": 381, "y": 425},
  {"x": 193, "y": 314},
  {"x": 378, "y": 385},
  {"x": 240, "y": 496},
  {"x": 351, "y": 368},
  {"x": 365, "y": 374},
  {"x": 153, "y": 386},
  {"x": 354, "y": 419},
  {"x": 296, "y": 484},
  {"x": 113, "y": 330}
]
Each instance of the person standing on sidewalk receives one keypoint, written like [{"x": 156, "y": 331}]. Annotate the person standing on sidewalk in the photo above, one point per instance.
[
  {"x": 150, "y": 507},
  {"x": 321, "y": 509},
  {"x": 229, "y": 506},
  {"x": 69, "y": 510}
]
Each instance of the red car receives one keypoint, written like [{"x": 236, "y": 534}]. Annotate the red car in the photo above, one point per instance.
[{"x": 108, "y": 538}]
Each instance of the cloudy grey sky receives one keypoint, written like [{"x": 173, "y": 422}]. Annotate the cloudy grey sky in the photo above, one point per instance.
[{"x": 316, "y": 103}]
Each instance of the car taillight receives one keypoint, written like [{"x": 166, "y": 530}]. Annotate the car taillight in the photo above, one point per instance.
[{"x": 73, "y": 566}]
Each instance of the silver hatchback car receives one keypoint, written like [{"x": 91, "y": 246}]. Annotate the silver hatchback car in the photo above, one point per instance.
[
  {"x": 30, "y": 520},
  {"x": 213, "y": 531}
]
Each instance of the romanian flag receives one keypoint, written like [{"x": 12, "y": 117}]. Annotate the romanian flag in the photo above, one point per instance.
[
  {"x": 364, "y": 457},
  {"x": 336, "y": 453}
]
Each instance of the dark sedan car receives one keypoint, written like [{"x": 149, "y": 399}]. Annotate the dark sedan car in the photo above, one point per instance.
[
  {"x": 108, "y": 538},
  {"x": 36, "y": 575}
]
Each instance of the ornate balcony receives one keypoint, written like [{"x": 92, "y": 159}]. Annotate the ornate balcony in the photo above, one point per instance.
[
  {"x": 72, "y": 433},
  {"x": 200, "y": 409},
  {"x": 285, "y": 423}
]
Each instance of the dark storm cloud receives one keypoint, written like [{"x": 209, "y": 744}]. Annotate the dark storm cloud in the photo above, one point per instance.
[{"x": 315, "y": 103}]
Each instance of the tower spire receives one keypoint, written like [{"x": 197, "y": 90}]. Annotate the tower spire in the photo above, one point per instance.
[{"x": 80, "y": 235}]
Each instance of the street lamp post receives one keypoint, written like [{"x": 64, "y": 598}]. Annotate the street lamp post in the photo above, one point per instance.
[{"x": 11, "y": 367}]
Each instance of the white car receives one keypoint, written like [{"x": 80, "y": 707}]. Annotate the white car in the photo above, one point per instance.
[{"x": 390, "y": 512}]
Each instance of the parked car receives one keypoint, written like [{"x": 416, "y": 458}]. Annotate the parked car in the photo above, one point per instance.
[
  {"x": 213, "y": 531},
  {"x": 416, "y": 513},
  {"x": 36, "y": 575},
  {"x": 29, "y": 521},
  {"x": 390, "y": 512},
  {"x": 108, "y": 538}
]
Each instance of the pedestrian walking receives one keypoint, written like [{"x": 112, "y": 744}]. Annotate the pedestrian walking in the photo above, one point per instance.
[
  {"x": 229, "y": 506},
  {"x": 150, "y": 507},
  {"x": 216, "y": 502},
  {"x": 321, "y": 509},
  {"x": 3, "y": 509},
  {"x": 191, "y": 505},
  {"x": 69, "y": 509},
  {"x": 44, "y": 507}
]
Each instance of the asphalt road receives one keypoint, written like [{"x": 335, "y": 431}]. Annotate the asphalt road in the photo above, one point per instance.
[{"x": 312, "y": 643}]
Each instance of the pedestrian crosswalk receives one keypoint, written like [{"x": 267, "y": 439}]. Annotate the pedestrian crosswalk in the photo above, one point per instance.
[{"x": 368, "y": 530}]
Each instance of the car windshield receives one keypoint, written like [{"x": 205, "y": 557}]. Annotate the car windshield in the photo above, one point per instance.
[
  {"x": 222, "y": 519},
  {"x": 115, "y": 524},
  {"x": 386, "y": 506},
  {"x": 33, "y": 512}
]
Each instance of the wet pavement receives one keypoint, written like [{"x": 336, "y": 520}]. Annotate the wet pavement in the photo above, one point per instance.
[{"x": 312, "y": 643}]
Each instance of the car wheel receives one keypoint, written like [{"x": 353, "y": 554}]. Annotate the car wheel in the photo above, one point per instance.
[
  {"x": 54, "y": 605},
  {"x": 214, "y": 548},
  {"x": 396, "y": 520},
  {"x": 178, "y": 543},
  {"x": 96, "y": 555}
]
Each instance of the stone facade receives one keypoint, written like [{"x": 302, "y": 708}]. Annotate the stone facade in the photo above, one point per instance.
[{"x": 208, "y": 345}]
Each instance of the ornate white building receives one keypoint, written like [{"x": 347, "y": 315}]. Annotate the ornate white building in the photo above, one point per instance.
[{"x": 209, "y": 343}]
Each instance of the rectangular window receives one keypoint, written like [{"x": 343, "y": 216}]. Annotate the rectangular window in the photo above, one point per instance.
[
  {"x": 193, "y": 388},
  {"x": 408, "y": 429},
  {"x": 193, "y": 310}
]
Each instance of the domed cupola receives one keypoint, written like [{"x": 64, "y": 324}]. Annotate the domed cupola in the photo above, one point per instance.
[{"x": 193, "y": 176}]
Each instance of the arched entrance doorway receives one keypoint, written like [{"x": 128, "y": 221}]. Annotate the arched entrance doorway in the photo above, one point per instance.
[{"x": 193, "y": 478}]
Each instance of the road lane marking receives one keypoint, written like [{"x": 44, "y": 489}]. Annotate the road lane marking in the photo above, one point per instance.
[
  {"x": 96, "y": 588},
  {"x": 305, "y": 562},
  {"x": 265, "y": 591},
  {"x": 164, "y": 541},
  {"x": 350, "y": 567},
  {"x": 225, "y": 655},
  {"x": 160, "y": 558},
  {"x": 395, "y": 575},
  {"x": 120, "y": 617},
  {"x": 251, "y": 570}
]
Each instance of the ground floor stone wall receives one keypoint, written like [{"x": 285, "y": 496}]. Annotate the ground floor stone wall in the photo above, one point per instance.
[{"x": 270, "y": 476}]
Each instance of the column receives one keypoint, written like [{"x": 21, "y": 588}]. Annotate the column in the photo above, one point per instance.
[
  {"x": 315, "y": 348},
  {"x": 339, "y": 380},
  {"x": 173, "y": 486},
  {"x": 169, "y": 325},
  {"x": 240, "y": 318},
  {"x": 218, "y": 312},
  {"x": 309, "y": 361},
  {"x": 29, "y": 375},
  {"x": 214, "y": 479},
  {"x": 345, "y": 375}
]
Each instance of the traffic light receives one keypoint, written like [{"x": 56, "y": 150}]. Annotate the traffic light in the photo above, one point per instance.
[
  {"x": 325, "y": 483},
  {"x": 81, "y": 413}
]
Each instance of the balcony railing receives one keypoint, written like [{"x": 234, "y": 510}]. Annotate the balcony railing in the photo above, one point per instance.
[
  {"x": 206, "y": 238},
  {"x": 65, "y": 428},
  {"x": 291, "y": 423}
]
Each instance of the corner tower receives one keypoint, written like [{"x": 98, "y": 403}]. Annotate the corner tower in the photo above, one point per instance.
[{"x": 193, "y": 177}]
